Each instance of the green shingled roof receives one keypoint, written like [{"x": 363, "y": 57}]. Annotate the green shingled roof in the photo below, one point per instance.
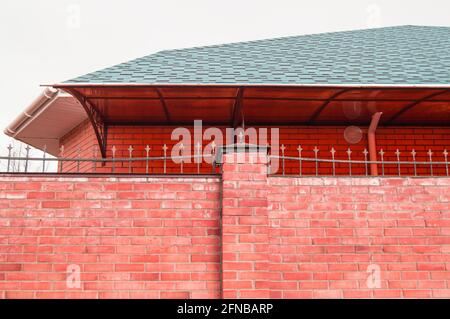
[{"x": 394, "y": 55}]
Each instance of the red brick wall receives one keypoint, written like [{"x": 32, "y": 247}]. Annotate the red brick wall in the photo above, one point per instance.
[
  {"x": 80, "y": 142},
  {"x": 281, "y": 237},
  {"x": 287, "y": 237},
  {"x": 326, "y": 232},
  {"x": 131, "y": 238},
  {"x": 389, "y": 139},
  {"x": 122, "y": 137}
]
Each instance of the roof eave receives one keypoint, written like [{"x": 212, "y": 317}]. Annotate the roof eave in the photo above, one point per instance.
[{"x": 353, "y": 85}]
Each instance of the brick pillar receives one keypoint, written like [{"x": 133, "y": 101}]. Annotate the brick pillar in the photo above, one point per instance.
[{"x": 245, "y": 226}]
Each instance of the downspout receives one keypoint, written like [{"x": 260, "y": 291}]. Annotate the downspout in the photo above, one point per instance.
[{"x": 372, "y": 143}]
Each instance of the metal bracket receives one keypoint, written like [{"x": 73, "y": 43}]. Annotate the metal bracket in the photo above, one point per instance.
[
  {"x": 237, "y": 108},
  {"x": 163, "y": 104},
  {"x": 96, "y": 119}
]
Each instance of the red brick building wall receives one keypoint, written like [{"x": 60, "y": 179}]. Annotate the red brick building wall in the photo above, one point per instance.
[
  {"x": 421, "y": 139},
  {"x": 280, "y": 237}
]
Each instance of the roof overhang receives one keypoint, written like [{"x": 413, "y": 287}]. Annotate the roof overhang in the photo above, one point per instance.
[
  {"x": 353, "y": 85},
  {"x": 302, "y": 104},
  {"x": 49, "y": 117}
]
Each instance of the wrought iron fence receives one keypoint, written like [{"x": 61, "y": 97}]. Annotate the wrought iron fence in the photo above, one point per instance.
[
  {"x": 437, "y": 164},
  {"x": 159, "y": 161},
  {"x": 22, "y": 162}
]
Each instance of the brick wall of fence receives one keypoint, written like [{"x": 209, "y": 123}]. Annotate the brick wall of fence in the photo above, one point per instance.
[
  {"x": 245, "y": 234},
  {"x": 131, "y": 237}
]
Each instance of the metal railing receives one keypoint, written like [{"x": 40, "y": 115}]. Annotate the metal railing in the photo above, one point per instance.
[
  {"x": 25, "y": 163},
  {"x": 397, "y": 167},
  {"x": 156, "y": 162}
]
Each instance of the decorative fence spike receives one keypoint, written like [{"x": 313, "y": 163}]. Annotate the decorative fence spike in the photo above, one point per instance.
[
  {"x": 366, "y": 166},
  {"x": 213, "y": 148},
  {"x": 333, "y": 151},
  {"x": 282, "y": 157},
  {"x": 446, "y": 161},
  {"x": 241, "y": 137},
  {"x": 113, "y": 150},
  {"x": 413, "y": 153},
  {"x": 430, "y": 156},
  {"x": 94, "y": 154},
  {"x": 382, "y": 161},
  {"x": 130, "y": 153},
  {"x": 182, "y": 158},
  {"x": 300, "y": 149},
  {"x": 61, "y": 154},
  {"x": 9, "y": 157},
  {"x": 269, "y": 164},
  {"x": 43, "y": 158},
  {"x": 316, "y": 153},
  {"x": 198, "y": 148},
  {"x": 213, "y": 155},
  {"x": 147, "y": 152},
  {"x": 165, "y": 157},
  {"x": 27, "y": 149},
  {"x": 397, "y": 153},
  {"x": 349, "y": 154}
]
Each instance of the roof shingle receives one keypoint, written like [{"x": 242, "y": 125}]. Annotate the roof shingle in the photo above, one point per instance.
[{"x": 405, "y": 55}]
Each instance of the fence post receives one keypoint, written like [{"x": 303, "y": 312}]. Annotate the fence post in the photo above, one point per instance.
[{"x": 245, "y": 226}]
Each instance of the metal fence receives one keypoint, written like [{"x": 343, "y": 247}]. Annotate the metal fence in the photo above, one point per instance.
[
  {"x": 324, "y": 162},
  {"x": 436, "y": 163},
  {"x": 24, "y": 162}
]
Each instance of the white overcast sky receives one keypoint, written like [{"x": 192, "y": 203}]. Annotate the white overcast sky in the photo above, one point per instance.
[{"x": 49, "y": 41}]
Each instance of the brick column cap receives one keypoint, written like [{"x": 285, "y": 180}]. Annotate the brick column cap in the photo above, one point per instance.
[{"x": 239, "y": 148}]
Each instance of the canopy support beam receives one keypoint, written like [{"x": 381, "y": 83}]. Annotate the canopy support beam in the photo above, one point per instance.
[
  {"x": 96, "y": 119},
  {"x": 413, "y": 104},
  {"x": 372, "y": 143},
  {"x": 237, "y": 108},
  {"x": 325, "y": 104},
  {"x": 164, "y": 105}
]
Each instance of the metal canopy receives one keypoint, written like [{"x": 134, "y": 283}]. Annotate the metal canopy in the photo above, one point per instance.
[
  {"x": 283, "y": 105},
  {"x": 173, "y": 105},
  {"x": 225, "y": 106}
]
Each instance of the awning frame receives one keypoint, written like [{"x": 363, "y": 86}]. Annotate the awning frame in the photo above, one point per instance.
[{"x": 96, "y": 119}]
